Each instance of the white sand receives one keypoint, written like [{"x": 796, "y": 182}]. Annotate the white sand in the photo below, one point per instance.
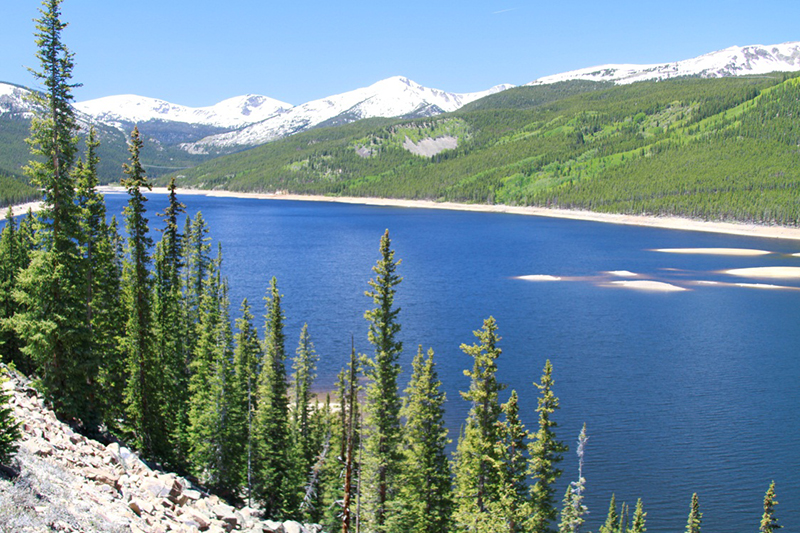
[
  {"x": 538, "y": 277},
  {"x": 783, "y": 272},
  {"x": 685, "y": 224},
  {"x": 766, "y": 286},
  {"x": 649, "y": 285},
  {"x": 714, "y": 251},
  {"x": 622, "y": 273}
]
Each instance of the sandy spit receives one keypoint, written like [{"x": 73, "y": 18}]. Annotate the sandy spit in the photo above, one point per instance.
[{"x": 675, "y": 223}]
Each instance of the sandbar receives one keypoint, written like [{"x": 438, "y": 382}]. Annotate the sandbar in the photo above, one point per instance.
[
  {"x": 622, "y": 273},
  {"x": 649, "y": 285},
  {"x": 714, "y": 251},
  {"x": 777, "y": 272},
  {"x": 538, "y": 277}
]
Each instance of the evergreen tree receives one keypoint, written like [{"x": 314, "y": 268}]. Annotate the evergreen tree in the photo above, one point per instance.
[
  {"x": 142, "y": 389},
  {"x": 612, "y": 522},
  {"x": 476, "y": 477},
  {"x": 383, "y": 436},
  {"x": 170, "y": 333},
  {"x": 424, "y": 499},
  {"x": 275, "y": 485},
  {"x": 108, "y": 319},
  {"x": 573, "y": 509},
  {"x": 695, "y": 516},
  {"x": 197, "y": 262},
  {"x": 352, "y": 437},
  {"x": 513, "y": 504},
  {"x": 247, "y": 357},
  {"x": 638, "y": 521},
  {"x": 9, "y": 428},
  {"x": 769, "y": 522},
  {"x": 305, "y": 372},
  {"x": 13, "y": 259},
  {"x": 545, "y": 453},
  {"x": 52, "y": 320}
]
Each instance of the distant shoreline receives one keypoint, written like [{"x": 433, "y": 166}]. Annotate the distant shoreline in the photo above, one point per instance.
[{"x": 673, "y": 223}]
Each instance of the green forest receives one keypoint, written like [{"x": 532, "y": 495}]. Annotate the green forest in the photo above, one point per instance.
[
  {"x": 714, "y": 149},
  {"x": 130, "y": 338}
]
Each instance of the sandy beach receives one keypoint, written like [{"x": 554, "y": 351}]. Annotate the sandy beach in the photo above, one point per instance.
[{"x": 675, "y": 223}]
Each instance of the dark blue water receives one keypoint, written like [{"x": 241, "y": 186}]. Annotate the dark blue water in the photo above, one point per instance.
[{"x": 682, "y": 392}]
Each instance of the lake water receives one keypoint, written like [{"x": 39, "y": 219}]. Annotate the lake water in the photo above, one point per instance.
[{"x": 682, "y": 392}]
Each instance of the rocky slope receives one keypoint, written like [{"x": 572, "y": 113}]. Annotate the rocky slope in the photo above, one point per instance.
[{"x": 66, "y": 482}]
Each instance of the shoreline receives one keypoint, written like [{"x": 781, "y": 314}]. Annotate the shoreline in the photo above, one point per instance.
[{"x": 672, "y": 223}]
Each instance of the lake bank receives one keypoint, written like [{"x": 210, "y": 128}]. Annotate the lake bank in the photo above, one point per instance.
[
  {"x": 664, "y": 222},
  {"x": 675, "y": 223}
]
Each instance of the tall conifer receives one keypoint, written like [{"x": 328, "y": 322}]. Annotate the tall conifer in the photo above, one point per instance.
[
  {"x": 545, "y": 454},
  {"x": 769, "y": 523},
  {"x": 424, "y": 499},
  {"x": 142, "y": 390},
  {"x": 13, "y": 259},
  {"x": 476, "y": 475},
  {"x": 276, "y": 487},
  {"x": 512, "y": 505},
  {"x": 382, "y": 435},
  {"x": 695, "y": 516},
  {"x": 52, "y": 321}
]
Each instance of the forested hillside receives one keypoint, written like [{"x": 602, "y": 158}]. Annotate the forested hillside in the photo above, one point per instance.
[{"x": 721, "y": 149}]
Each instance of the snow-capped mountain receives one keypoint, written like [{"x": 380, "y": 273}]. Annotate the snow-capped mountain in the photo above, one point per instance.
[
  {"x": 392, "y": 97},
  {"x": 733, "y": 61},
  {"x": 13, "y": 101},
  {"x": 231, "y": 113}
]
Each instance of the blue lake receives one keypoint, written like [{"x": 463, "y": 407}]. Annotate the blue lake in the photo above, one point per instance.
[{"x": 682, "y": 392}]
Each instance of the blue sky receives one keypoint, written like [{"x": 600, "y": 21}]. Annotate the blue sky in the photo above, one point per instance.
[{"x": 200, "y": 52}]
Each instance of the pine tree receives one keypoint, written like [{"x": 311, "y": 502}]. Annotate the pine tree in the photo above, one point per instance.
[
  {"x": 275, "y": 485},
  {"x": 9, "y": 429},
  {"x": 13, "y": 259},
  {"x": 247, "y": 358},
  {"x": 141, "y": 392},
  {"x": 305, "y": 372},
  {"x": 573, "y": 508},
  {"x": 476, "y": 477},
  {"x": 383, "y": 436},
  {"x": 52, "y": 321},
  {"x": 695, "y": 516},
  {"x": 170, "y": 333},
  {"x": 351, "y": 439},
  {"x": 513, "y": 504},
  {"x": 638, "y": 521},
  {"x": 197, "y": 262},
  {"x": 769, "y": 522},
  {"x": 424, "y": 499},
  {"x": 545, "y": 453},
  {"x": 612, "y": 522}
]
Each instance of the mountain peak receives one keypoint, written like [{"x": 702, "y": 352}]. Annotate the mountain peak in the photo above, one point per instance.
[{"x": 731, "y": 61}]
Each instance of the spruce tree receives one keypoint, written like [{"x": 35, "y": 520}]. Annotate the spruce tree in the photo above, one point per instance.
[
  {"x": 769, "y": 523},
  {"x": 351, "y": 438},
  {"x": 424, "y": 499},
  {"x": 513, "y": 503},
  {"x": 275, "y": 486},
  {"x": 477, "y": 480},
  {"x": 611, "y": 525},
  {"x": 170, "y": 332},
  {"x": 695, "y": 516},
  {"x": 13, "y": 259},
  {"x": 142, "y": 389},
  {"x": 247, "y": 357},
  {"x": 638, "y": 524},
  {"x": 382, "y": 440},
  {"x": 304, "y": 365},
  {"x": 545, "y": 453},
  {"x": 52, "y": 321},
  {"x": 9, "y": 427}
]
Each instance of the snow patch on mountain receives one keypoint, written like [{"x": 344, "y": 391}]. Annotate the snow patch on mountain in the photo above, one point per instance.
[
  {"x": 13, "y": 101},
  {"x": 231, "y": 113},
  {"x": 392, "y": 97},
  {"x": 733, "y": 61}
]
